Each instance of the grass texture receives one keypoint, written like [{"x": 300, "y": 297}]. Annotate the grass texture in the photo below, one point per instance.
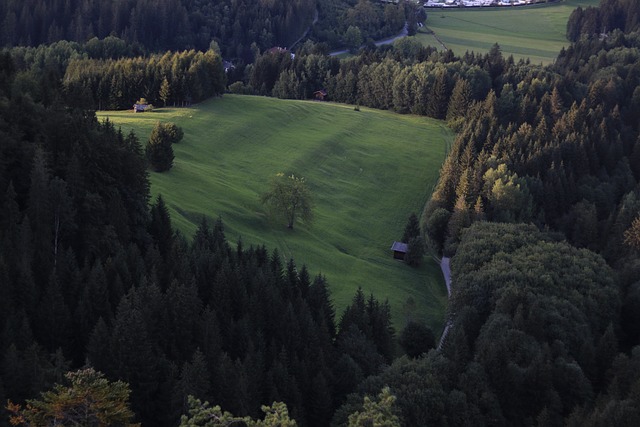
[{"x": 367, "y": 171}]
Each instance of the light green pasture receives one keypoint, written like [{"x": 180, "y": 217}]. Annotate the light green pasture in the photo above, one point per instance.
[{"x": 367, "y": 170}]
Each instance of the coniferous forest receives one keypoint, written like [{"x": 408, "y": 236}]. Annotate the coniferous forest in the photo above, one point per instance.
[{"x": 537, "y": 205}]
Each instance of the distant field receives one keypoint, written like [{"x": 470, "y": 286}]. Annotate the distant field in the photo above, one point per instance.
[
  {"x": 537, "y": 32},
  {"x": 368, "y": 171}
]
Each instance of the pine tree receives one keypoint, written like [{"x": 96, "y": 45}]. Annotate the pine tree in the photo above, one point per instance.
[{"x": 412, "y": 229}]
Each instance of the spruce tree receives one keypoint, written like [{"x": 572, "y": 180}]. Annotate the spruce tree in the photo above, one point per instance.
[
  {"x": 98, "y": 347},
  {"x": 160, "y": 227},
  {"x": 137, "y": 360},
  {"x": 40, "y": 214},
  {"x": 412, "y": 229},
  {"x": 415, "y": 251},
  {"x": 460, "y": 100},
  {"x": 193, "y": 381}
]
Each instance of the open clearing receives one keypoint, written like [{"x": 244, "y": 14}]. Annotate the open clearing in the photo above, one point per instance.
[
  {"x": 535, "y": 32},
  {"x": 367, "y": 171}
]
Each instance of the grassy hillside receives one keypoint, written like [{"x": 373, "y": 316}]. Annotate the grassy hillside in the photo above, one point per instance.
[
  {"x": 367, "y": 170},
  {"x": 537, "y": 32}
]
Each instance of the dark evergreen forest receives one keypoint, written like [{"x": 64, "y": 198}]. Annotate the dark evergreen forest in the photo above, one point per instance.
[
  {"x": 239, "y": 28},
  {"x": 538, "y": 206},
  {"x": 158, "y": 25}
]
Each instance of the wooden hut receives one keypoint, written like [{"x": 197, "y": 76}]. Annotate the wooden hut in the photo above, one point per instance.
[
  {"x": 399, "y": 250},
  {"x": 320, "y": 95}
]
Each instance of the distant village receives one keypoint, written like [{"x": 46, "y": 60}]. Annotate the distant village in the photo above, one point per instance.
[{"x": 479, "y": 3}]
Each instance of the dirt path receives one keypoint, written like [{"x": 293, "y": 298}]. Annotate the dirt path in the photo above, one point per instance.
[{"x": 435, "y": 36}]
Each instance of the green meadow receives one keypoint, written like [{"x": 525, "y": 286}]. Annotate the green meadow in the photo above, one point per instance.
[
  {"x": 367, "y": 170},
  {"x": 536, "y": 32}
]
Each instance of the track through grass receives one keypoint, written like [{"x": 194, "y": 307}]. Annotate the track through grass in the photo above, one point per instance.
[
  {"x": 367, "y": 170},
  {"x": 535, "y": 32}
]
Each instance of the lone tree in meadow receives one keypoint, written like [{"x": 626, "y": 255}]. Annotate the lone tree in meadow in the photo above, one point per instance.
[
  {"x": 159, "y": 151},
  {"x": 290, "y": 197}
]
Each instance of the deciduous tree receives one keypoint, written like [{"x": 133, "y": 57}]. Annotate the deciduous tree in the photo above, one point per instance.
[{"x": 290, "y": 197}]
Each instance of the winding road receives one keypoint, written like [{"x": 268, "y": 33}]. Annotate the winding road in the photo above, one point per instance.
[
  {"x": 315, "y": 19},
  {"x": 388, "y": 40}
]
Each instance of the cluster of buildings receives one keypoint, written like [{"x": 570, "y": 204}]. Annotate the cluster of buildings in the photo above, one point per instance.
[{"x": 479, "y": 3}]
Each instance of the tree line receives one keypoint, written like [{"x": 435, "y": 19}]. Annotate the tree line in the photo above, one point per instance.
[
  {"x": 108, "y": 74},
  {"x": 174, "y": 78},
  {"x": 405, "y": 77}
]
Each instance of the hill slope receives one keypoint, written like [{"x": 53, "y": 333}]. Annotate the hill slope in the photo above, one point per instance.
[{"x": 367, "y": 171}]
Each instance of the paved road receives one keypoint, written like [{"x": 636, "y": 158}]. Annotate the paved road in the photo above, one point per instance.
[
  {"x": 401, "y": 34},
  {"x": 388, "y": 40},
  {"x": 315, "y": 19},
  {"x": 445, "y": 266}
]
